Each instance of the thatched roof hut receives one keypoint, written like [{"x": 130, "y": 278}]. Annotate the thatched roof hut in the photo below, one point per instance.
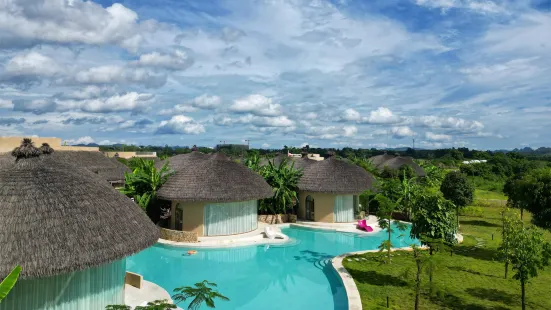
[
  {"x": 212, "y": 178},
  {"x": 396, "y": 162},
  {"x": 56, "y": 218},
  {"x": 109, "y": 169},
  {"x": 379, "y": 159},
  {"x": 179, "y": 161},
  {"x": 334, "y": 176}
]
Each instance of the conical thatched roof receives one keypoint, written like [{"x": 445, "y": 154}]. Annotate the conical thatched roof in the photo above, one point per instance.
[
  {"x": 96, "y": 162},
  {"x": 179, "y": 161},
  {"x": 214, "y": 178},
  {"x": 57, "y": 218},
  {"x": 399, "y": 161},
  {"x": 334, "y": 176},
  {"x": 379, "y": 159},
  {"x": 395, "y": 162}
]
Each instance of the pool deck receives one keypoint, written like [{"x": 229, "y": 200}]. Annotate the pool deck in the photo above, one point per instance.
[
  {"x": 150, "y": 291},
  {"x": 343, "y": 227}
]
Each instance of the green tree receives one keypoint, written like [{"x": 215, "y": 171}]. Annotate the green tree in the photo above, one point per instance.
[
  {"x": 516, "y": 190},
  {"x": 419, "y": 261},
  {"x": 536, "y": 196},
  {"x": 530, "y": 253},
  {"x": 366, "y": 198},
  {"x": 283, "y": 179},
  {"x": 386, "y": 209},
  {"x": 9, "y": 282},
  {"x": 408, "y": 191},
  {"x": 511, "y": 225},
  {"x": 144, "y": 181},
  {"x": 152, "y": 305},
  {"x": 433, "y": 221},
  {"x": 457, "y": 188},
  {"x": 202, "y": 292}
]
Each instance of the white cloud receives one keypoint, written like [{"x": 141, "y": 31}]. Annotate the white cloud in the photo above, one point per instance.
[
  {"x": 331, "y": 132},
  {"x": 129, "y": 102},
  {"x": 206, "y": 102},
  {"x": 178, "y": 109},
  {"x": 278, "y": 121},
  {"x": 81, "y": 140},
  {"x": 382, "y": 116},
  {"x": 437, "y": 137},
  {"x": 32, "y": 64},
  {"x": 265, "y": 145},
  {"x": 350, "y": 131},
  {"x": 310, "y": 116},
  {"x": 477, "y": 6},
  {"x": 351, "y": 115},
  {"x": 74, "y": 21},
  {"x": 256, "y": 104},
  {"x": 6, "y": 104},
  {"x": 112, "y": 74},
  {"x": 451, "y": 123},
  {"x": 180, "y": 124},
  {"x": 402, "y": 132},
  {"x": 177, "y": 60}
]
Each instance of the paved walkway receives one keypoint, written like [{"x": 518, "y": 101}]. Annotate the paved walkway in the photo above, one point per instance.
[{"x": 150, "y": 291}]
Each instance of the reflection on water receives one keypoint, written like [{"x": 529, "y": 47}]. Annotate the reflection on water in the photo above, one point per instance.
[{"x": 298, "y": 275}]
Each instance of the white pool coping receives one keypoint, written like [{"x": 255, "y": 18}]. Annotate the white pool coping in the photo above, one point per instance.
[{"x": 150, "y": 291}]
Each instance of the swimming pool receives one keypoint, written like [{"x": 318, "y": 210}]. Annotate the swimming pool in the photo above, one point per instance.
[{"x": 298, "y": 275}]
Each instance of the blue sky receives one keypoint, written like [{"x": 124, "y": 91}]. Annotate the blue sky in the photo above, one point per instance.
[{"x": 378, "y": 73}]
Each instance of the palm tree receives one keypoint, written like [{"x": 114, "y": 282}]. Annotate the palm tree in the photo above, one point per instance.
[
  {"x": 201, "y": 293},
  {"x": 9, "y": 282},
  {"x": 283, "y": 178},
  {"x": 144, "y": 181}
]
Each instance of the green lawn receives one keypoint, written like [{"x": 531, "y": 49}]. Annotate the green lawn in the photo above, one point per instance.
[
  {"x": 470, "y": 279},
  {"x": 485, "y": 194}
]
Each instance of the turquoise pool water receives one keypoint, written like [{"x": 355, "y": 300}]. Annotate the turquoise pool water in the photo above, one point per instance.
[{"x": 294, "y": 276}]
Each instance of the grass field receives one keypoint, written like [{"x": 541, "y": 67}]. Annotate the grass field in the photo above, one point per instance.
[
  {"x": 470, "y": 279},
  {"x": 485, "y": 194}
]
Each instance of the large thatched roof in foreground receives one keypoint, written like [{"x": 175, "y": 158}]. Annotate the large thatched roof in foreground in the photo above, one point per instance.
[
  {"x": 334, "y": 176},
  {"x": 203, "y": 177},
  {"x": 396, "y": 162},
  {"x": 57, "y": 218},
  {"x": 179, "y": 161}
]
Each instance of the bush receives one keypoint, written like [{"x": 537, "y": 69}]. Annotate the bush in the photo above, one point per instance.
[{"x": 472, "y": 211}]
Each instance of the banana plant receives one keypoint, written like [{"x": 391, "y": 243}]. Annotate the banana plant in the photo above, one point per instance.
[
  {"x": 9, "y": 282},
  {"x": 144, "y": 181}
]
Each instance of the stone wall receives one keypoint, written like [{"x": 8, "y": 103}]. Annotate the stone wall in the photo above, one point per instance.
[
  {"x": 277, "y": 219},
  {"x": 178, "y": 236}
]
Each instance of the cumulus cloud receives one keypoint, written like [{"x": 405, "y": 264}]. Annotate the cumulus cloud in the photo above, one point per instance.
[
  {"x": 401, "y": 132},
  {"x": 382, "y": 116},
  {"x": 178, "y": 109},
  {"x": 75, "y": 21},
  {"x": 180, "y": 124},
  {"x": 6, "y": 104},
  {"x": 111, "y": 74},
  {"x": 83, "y": 120},
  {"x": 351, "y": 115},
  {"x": 265, "y": 145},
  {"x": 177, "y": 60},
  {"x": 81, "y": 140},
  {"x": 206, "y": 102},
  {"x": 37, "y": 106},
  {"x": 452, "y": 123},
  {"x": 256, "y": 104},
  {"x": 331, "y": 132},
  {"x": 477, "y": 6},
  {"x": 258, "y": 121},
  {"x": 128, "y": 102},
  {"x": 437, "y": 137},
  {"x": 32, "y": 64}
]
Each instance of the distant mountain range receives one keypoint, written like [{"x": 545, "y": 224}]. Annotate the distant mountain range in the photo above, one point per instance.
[{"x": 538, "y": 151}]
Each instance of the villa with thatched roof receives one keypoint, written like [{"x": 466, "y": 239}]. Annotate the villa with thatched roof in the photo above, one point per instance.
[
  {"x": 69, "y": 230},
  {"x": 212, "y": 195},
  {"x": 395, "y": 162},
  {"x": 328, "y": 189}
]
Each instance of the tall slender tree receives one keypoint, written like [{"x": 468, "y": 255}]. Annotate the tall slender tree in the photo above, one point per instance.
[{"x": 386, "y": 210}]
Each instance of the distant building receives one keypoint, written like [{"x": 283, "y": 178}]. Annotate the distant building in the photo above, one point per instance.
[
  {"x": 310, "y": 156},
  {"x": 7, "y": 144},
  {"x": 474, "y": 161},
  {"x": 128, "y": 155},
  {"x": 233, "y": 147}
]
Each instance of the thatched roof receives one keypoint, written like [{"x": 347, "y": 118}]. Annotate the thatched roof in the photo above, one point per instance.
[
  {"x": 379, "y": 159},
  {"x": 395, "y": 162},
  {"x": 334, "y": 176},
  {"x": 213, "y": 178},
  {"x": 108, "y": 168},
  {"x": 179, "y": 161},
  {"x": 57, "y": 218}
]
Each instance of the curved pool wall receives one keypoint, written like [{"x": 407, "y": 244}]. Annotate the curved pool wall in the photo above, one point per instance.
[{"x": 298, "y": 275}]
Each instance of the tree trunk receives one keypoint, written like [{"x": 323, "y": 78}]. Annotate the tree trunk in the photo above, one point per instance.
[
  {"x": 506, "y": 269},
  {"x": 457, "y": 216},
  {"x": 521, "y": 212},
  {"x": 418, "y": 285},
  {"x": 523, "y": 295}
]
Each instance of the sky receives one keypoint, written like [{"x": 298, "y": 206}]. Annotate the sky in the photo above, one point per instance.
[{"x": 342, "y": 73}]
